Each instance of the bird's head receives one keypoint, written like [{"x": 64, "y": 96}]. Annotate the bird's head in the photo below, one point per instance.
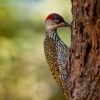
[{"x": 55, "y": 21}]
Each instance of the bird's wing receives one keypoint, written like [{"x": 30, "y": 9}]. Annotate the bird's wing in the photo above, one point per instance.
[{"x": 51, "y": 57}]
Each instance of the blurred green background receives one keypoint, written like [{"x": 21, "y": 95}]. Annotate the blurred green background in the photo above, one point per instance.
[{"x": 24, "y": 73}]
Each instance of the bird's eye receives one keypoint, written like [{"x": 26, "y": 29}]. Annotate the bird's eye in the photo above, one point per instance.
[{"x": 57, "y": 21}]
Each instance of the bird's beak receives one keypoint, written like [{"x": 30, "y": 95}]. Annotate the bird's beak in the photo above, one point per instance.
[{"x": 64, "y": 24}]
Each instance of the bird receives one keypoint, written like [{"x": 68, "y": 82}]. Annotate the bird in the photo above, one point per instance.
[{"x": 55, "y": 49}]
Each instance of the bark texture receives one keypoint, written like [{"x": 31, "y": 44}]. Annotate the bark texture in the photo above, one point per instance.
[{"x": 84, "y": 80}]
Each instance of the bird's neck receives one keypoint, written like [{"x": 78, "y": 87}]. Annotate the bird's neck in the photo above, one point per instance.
[{"x": 52, "y": 34}]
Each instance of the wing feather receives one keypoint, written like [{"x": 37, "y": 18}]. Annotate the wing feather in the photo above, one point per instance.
[{"x": 51, "y": 57}]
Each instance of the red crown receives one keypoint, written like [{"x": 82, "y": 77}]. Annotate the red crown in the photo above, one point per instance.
[{"x": 54, "y": 16}]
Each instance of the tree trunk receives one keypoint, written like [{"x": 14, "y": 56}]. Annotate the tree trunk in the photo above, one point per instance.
[{"x": 84, "y": 77}]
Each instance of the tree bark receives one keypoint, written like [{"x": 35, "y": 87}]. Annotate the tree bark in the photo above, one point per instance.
[{"x": 84, "y": 64}]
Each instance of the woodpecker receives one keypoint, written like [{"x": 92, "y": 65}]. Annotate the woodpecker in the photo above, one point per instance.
[{"x": 55, "y": 49}]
